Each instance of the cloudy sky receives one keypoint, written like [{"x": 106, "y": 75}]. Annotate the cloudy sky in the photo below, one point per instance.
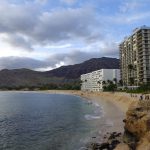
[{"x": 45, "y": 34}]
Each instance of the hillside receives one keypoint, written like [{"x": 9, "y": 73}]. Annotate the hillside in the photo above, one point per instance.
[
  {"x": 74, "y": 71},
  {"x": 26, "y": 78},
  {"x": 62, "y": 75}
]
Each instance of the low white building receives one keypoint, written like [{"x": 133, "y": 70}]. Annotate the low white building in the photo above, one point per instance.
[{"x": 94, "y": 81}]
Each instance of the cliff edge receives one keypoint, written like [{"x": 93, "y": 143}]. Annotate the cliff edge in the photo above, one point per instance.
[{"x": 137, "y": 127}]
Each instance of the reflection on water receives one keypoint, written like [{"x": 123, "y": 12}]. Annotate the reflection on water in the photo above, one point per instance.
[{"x": 36, "y": 121}]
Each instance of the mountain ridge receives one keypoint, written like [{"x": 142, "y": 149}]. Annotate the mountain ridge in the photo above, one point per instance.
[
  {"x": 86, "y": 67},
  {"x": 63, "y": 75}
]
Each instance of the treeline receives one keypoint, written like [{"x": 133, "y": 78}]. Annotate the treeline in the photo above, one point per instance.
[
  {"x": 115, "y": 86},
  {"x": 50, "y": 86},
  {"x": 111, "y": 85},
  {"x": 144, "y": 88}
]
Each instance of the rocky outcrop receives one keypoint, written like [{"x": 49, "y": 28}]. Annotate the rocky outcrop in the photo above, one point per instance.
[
  {"x": 136, "y": 134},
  {"x": 122, "y": 146},
  {"x": 137, "y": 126},
  {"x": 110, "y": 141}
]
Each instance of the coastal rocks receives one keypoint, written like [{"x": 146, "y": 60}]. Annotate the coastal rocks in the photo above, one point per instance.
[
  {"x": 137, "y": 126},
  {"x": 136, "y": 131},
  {"x": 122, "y": 146},
  {"x": 111, "y": 140},
  {"x": 144, "y": 143}
]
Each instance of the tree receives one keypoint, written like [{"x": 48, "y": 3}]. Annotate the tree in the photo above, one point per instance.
[
  {"x": 109, "y": 82},
  {"x": 115, "y": 80},
  {"x": 98, "y": 82},
  {"x": 110, "y": 87},
  {"x": 131, "y": 79},
  {"x": 104, "y": 82},
  {"x": 120, "y": 82}
]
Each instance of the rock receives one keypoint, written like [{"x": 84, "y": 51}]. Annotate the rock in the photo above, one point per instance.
[
  {"x": 104, "y": 146},
  {"x": 114, "y": 143},
  {"x": 124, "y": 120},
  {"x": 114, "y": 135},
  {"x": 137, "y": 126},
  {"x": 122, "y": 146},
  {"x": 94, "y": 146},
  {"x": 136, "y": 130},
  {"x": 144, "y": 143},
  {"x": 137, "y": 122}
]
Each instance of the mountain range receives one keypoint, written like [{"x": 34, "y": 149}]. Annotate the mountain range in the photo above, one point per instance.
[{"x": 62, "y": 75}]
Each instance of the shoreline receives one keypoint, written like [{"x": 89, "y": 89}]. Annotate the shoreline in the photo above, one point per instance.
[
  {"x": 114, "y": 105},
  {"x": 120, "y": 99}
]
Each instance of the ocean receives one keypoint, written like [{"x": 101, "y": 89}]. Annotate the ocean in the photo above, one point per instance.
[{"x": 41, "y": 121}]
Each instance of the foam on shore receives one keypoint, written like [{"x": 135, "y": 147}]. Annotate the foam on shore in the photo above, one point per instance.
[{"x": 114, "y": 105}]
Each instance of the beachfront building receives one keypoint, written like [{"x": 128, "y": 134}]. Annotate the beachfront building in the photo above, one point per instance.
[
  {"x": 135, "y": 57},
  {"x": 94, "y": 81}
]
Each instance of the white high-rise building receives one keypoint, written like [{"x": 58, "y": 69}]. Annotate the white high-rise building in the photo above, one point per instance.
[{"x": 94, "y": 81}]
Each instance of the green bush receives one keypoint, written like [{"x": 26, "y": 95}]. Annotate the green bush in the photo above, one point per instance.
[
  {"x": 144, "y": 88},
  {"x": 110, "y": 87}
]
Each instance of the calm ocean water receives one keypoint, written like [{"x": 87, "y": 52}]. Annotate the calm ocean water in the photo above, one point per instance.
[{"x": 37, "y": 121}]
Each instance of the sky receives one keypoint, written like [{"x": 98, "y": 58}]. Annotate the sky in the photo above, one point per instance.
[{"x": 46, "y": 34}]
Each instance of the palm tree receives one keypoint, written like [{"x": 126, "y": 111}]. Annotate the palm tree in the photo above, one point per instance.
[
  {"x": 98, "y": 82},
  {"x": 131, "y": 81},
  {"x": 130, "y": 68},
  {"x": 121, "y": 82},
  {"x": 103, "y": 82},
  {"x": 109, "y": 82},
  {"x": 115, "y": 80}
]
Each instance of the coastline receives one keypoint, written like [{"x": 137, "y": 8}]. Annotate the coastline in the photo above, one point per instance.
[
  {"x": 109, "y": 129},
  {"x": 120, "y": 99},
  {"x": 114, "y": 105}
]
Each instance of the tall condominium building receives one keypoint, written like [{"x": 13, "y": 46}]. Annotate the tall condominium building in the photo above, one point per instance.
[
  {"x": 135, "y": 57},
  {"x": 94, "y": 81}
]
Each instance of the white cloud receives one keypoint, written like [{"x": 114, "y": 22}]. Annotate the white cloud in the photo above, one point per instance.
[
  {"x": 121, "y": 19},
  {"x": 45, "y": 27},
  {"x": 51, "y": 61},
  {"x": 41, "y": 1},
  {"x": 59, "y": 46},
  {"x": 128, "y": 6},
  {"x": 69, "y": 2},
  {"x": 65, "y": 35},
  {"x": 17, "y": 41},
  {"x": 21, "y": 62}
]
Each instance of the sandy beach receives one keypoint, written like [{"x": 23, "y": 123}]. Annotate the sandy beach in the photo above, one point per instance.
[{"x": 115, "y": 105}]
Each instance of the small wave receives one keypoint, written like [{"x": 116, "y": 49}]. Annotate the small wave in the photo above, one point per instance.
[
  {"x": 89, "y": 102},
  {"x": 96, "y": 104},
  {"x": 83, "y": 148},
  {"x": 109, "y": 123},
  {"x": 92, "y": 117},
  {"x": 99, "y": 110}
]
